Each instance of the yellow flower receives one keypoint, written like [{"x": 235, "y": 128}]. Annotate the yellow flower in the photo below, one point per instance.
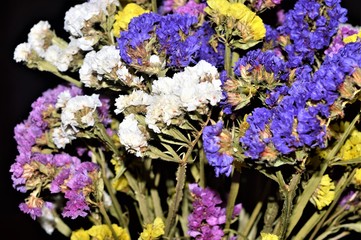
[
  {"x": 352, "y": 38},
  {"x": 352, "y": 147},
  {"x": 103, "y": 232},
  {"x": 268, "y": 236},
  {"x": 80, "y": 234},
  {"x": 357, "y": 177},
  {"x": 123, "y": 17},
  {"x": 324, "y": 194},
  {"x": 153, "y": 230},
  {"x": 221, "y": 6},
  {"x": 249, "y": 26},
  {"x": 120, "y": 184}
]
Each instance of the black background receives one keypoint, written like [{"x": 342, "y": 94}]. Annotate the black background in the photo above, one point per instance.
[{"x": 21, "y": 86}]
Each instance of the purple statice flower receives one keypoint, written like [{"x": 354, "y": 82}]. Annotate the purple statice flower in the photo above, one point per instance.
[
  {"x": 337, "y": 43},
  {"x": 306, "y": 38},
  {"x": 76, "y": 205},
  {"x": 207, "y": 217},
  {"x": 175, "y": 36},
  {"x": 34, "y": 205},
  {"x": 191, "y": 8},
  {"x": 206, "y": 51},
  {"x": 291, "y": 121},
  {"x": 73, "y": 179},
  {"x": 269, "y": 60},
  {"x": 226, "y": 106},
  {"x": 256, "y": 137},
  {"x": 29, "y": 131},
  {"x": 217, "y": 156},
  {"x": 350, "y": 199}
]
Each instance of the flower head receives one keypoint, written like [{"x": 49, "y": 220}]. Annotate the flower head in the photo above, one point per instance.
[
  {"x": 324, "y": 194},
  {"x": 153, "y": 230}
]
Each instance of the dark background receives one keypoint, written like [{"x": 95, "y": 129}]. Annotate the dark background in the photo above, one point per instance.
[{"x": 21, "y": 86}]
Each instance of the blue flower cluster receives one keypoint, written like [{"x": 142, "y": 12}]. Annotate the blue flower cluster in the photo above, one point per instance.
[
  {"x": 220, "y": 160},
  {"x": 310, "y": 27},
  {"x": 296, "y": 115},
  {"x": 271, "y": 62},
  {"x": 174, "y": 35}
]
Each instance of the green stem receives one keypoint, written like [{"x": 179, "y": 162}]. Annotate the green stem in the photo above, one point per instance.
[
  {"x": 233, "y": 192},
  {"x": 176, "y": 200},
  {"x": 342, "y": 184},
  {"x": 228, "y": 60},
  {"x": 202, "y": 160},
  {"x": 107, "y": 219},
  {"x": 60, "y": 225},
  {"x": 181, "y": 181},
  {"x": 289, "y": 192},
  {"x": 316, "y": 178},
  {"x": 48, "y": 67},
  {"x": 154, "y": 6},
  {"x": 110, "y": 190}
]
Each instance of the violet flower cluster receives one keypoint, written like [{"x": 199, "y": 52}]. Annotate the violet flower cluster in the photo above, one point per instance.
[
  {"x": 216, "y": 154},
  {"x": 290, "y": 121},
  {"x": 310, "y": 27},
  {"x": 208, "y": 215},
  {"x": 37, "y": 168},
  {"x": 174, "y": 37}
]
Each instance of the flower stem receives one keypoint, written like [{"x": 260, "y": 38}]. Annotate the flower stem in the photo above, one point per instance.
[
  {"x": 115, "y": 202},
  {"x": 107, "y": 219},
  {"x": 228, "y": 59},
  {"x": 233, "y": 192},
  {"x": 289, "y": 192},
  {"x": 181, "y": 174}
]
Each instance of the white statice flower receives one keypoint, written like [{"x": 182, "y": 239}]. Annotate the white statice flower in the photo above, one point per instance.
[
  {"x": 84, "y": 43},
  {"x": 58, "y": 57},
  {"x": 63, "y": 98},
  {"x": 62, "y": 137},
  {"x": 103, "y": 4},
  {"x": 98, "y": 64},
  {"x": 163, "y": 109},
  {"x": 22, "y": 52},
  {"x": 76, "y": 17},
  {"x": 37, "y": 36},
  {"x": 187, "y": 91},
  {"x": 131, "y": 136},
  {"x": 127, "y": 78},
  {"x": 78, "y": 111},
  {"x": 47, "y": 220},
  {"x": 136, "y": 98}
]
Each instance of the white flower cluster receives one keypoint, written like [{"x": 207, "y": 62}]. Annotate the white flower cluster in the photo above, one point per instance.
[
  {"x": 76, "y": 112},
  {"x": 189, "y": 90},
  {"x": 43, "y": 44},
  {"x": 37, "y": 39},
  {"x": 105, "y": 63},
  {"x": 131, "y": 136},
  {"x": 79, "y": 19}
]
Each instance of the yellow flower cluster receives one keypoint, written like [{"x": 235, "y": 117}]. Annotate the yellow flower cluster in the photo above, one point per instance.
[
  {"x": 123, "y": 17},
  {"x": 324, "y": 194},
  {"x": 268, "y": 236},
  {"x": 352, "y": 147},
  {"x": 357, "y": 177},
  {"x": 153, "y": 230},
  {"x": 352, "y": 38},
  {"x": 100, "y": 232},
  {"x": 248, "y": 23}
]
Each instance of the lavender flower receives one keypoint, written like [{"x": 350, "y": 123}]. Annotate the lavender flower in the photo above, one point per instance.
[
  {"x": 310, "y": 28},
  {"x": 176, "y": 38},
  {"x": 217, "y": 146},
  {"x": 205, "y": 222}
]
